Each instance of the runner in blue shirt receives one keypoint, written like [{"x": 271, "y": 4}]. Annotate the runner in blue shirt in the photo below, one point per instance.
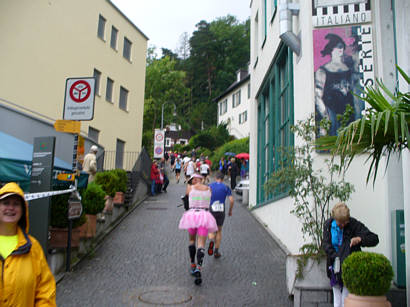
[{"x": 219, "y": 193}]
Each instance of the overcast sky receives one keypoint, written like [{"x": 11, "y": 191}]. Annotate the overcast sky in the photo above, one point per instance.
[{"x": 163, "y": 21}]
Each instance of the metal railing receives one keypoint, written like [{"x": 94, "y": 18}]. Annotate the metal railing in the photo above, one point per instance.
[{"x": 122, "y": 160}]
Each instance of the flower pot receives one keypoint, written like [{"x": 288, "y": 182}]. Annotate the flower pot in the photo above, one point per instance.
[
  {"x": 119, "y": 198},
  {"x": 58, "y": 237},
  {"x": 83, "y": 230},
  {"x": 366, "y": 301},
  {"x": 91, "y": 225}
]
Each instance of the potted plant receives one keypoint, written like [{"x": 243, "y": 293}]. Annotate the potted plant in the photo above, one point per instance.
[
  {"x": 312, "y": 190},
  {"x": 368, "y": 277},
  {"x": 59, "y": 223},
  {"x": 108, "y": 182},
  {"x": 121, "y": 186},
  {"x": 93, "y": 203}
]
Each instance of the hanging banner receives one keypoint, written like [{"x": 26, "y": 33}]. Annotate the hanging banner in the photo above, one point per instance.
[
  {"x": 343, "y": 65},
  {"x": 159, "y": 138}
]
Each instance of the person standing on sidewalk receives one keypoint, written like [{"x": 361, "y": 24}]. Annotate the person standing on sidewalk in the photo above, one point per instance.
[
  {"x": 26, "y": 277},
  {"x": 90, "y": 163},
  {"x": 164, "y": 168},
  {"x": 219, "y": 193},
  {"x": 154, "y": 177},
  {"x": 198, "y": 221},
  {"x": 233, "y": 172}
]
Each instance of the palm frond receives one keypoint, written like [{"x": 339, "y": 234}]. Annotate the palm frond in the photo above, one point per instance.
[{"x": 384, "y": 128}]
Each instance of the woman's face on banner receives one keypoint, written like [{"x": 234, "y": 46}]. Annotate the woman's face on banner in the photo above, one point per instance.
[{"x": 338, "y": 50}]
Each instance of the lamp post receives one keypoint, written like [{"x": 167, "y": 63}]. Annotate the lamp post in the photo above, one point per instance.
[{"x": 162, "y": 113}]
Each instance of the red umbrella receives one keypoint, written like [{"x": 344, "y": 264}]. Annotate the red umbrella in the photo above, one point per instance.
[{"x": 243, "y": 155}]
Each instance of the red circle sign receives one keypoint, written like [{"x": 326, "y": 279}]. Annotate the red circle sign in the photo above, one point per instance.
[
  {"x": 80, "y": 91},
  {"x": 159, "y": 137},
  {"x": 158, "y": 150}
]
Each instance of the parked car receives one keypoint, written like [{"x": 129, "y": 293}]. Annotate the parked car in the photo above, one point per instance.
[{"x": 243, "y": 184}]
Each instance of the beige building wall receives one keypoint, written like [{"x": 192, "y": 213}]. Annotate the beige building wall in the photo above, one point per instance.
[{"x": 43, "y": 42}]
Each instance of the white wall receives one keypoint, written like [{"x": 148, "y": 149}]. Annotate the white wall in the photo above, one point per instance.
[
  {"x": 368, "y": 204},
  {"x": 236, "y": 129}
]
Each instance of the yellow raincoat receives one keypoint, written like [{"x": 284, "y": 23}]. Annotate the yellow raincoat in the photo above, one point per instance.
[{"x": 26, "y": 279}]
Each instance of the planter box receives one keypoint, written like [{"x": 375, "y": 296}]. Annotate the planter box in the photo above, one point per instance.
[
  {"x": 119, "y": 198},
  {"x": 314, "y": 288},
  {"x": 58, "y": 237},
  {"x": 91, "y": 225}
]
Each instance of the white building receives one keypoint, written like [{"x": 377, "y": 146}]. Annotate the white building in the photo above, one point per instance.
[
  {"x": 287, "y": 50},
  {"x": 233, "y": 106}
]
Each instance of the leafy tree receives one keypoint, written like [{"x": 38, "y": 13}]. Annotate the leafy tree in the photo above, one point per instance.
[{"x": 163, "y": 84}]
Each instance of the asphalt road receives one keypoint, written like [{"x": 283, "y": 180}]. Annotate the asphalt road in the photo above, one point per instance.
[{"x": 145, "y": 262}]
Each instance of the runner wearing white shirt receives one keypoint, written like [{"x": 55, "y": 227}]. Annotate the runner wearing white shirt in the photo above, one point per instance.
[
  {"x": 190, "y": 169},
  {"x": 204, "y": 171}
]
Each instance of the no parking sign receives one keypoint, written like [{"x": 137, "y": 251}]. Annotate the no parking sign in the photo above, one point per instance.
[
  {"x": 79, "y": 98},
  {"x": 159, "y": 137}
]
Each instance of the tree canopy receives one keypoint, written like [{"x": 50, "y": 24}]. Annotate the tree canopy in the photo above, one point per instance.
[{"x": 198, "y": 71}]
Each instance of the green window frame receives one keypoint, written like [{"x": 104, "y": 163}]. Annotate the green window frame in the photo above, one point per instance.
[
  {"x": 275, "y": 117},
  {"x": 265, "y": 22},
  {"x": 274, "y": 9}
]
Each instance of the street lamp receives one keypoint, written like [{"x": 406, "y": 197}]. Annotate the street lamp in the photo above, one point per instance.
[{"x": 162, "y": 113}]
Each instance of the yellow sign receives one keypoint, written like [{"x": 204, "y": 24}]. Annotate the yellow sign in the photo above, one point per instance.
[
  {"x": 66, "y": 177},
  {"x": 70, "y": 126},
  {"x": 80, "y": 149}
]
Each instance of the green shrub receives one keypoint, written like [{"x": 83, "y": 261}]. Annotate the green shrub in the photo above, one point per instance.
[
  {"x": 236, "y": 146},
  {"x": 210, "y": 138},
  {"x": 93, "y": 199},
  {"x": 108, "y": 181},
  {"x": 123, "y": 180},
  {"x": 367, "y": 274},
  {"x": 59, "y": 212}
]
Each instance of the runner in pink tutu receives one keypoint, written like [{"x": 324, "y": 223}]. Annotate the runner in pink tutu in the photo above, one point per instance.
[{"x": 198, "y": 221}]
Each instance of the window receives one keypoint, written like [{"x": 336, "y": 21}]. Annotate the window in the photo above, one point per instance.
[
  {"x": 127, "y": 49},
  {"x": 264, "y": 23},
  {"x": 97, "y": 76},
  {"x": 275, "y": 117},
  {"x": 114, "y": 34},
  {"x": 108, "y": 92},
  {"x": 220, "y": 108},
  {"x": 101, "y": 27},
  {"x": 236, "y": 99},
  {"x": 255, "y": 39},
  {"x": 93, "y": 134},
  {"x": 225, "y": 106},
  {"x": 249, "y": 90},
  {"x": 123, "y": 98},
  {"x": 243, "y": 117},
  {"x": 119, "y": 154}
]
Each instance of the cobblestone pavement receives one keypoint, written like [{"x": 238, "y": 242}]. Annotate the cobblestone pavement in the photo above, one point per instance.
[{"x": 145, "y": 262}]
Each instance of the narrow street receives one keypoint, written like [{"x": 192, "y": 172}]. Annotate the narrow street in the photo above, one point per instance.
[{"x": 144, "y": 262}]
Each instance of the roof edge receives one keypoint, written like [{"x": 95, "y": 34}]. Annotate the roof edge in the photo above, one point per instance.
[
  {"x": 232, "y": 87},
  {"x": 126, "y": 18}
]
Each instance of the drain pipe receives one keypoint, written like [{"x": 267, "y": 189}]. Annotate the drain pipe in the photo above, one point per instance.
[{"x": 286, "y": 11}]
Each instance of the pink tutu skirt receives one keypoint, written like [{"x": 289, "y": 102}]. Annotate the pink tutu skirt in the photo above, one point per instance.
[{"x": 194, "y": 218}]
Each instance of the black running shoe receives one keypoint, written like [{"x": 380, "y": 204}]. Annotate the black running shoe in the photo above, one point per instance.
[{"x": 198, "y": 278}]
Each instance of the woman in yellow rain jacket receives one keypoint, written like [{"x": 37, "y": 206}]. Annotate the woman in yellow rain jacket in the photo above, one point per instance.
[{"x": 26, "y": 279}]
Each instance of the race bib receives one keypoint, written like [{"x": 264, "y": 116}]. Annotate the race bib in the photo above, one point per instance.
[{"x": 217, "y": 206}]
